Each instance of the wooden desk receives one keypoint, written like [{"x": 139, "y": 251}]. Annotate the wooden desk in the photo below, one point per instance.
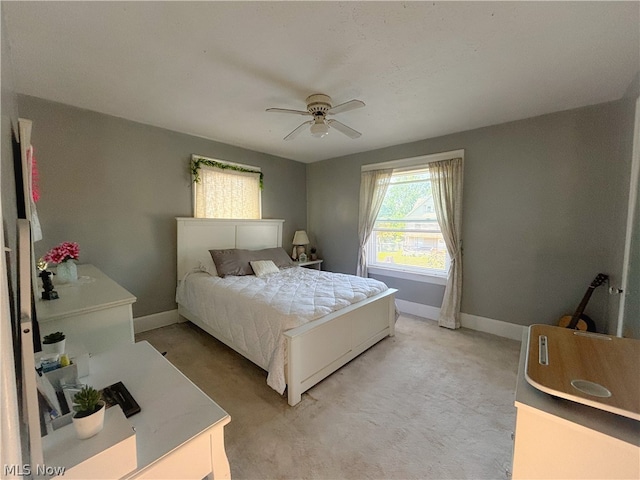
[
  {"x": 179, "y": 430},
  {"x": 94, "y": 312},
  {"x": 558, "y": 438}
]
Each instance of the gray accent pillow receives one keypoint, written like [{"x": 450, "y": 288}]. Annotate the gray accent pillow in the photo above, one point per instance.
[{"x": 235, "y": 261}]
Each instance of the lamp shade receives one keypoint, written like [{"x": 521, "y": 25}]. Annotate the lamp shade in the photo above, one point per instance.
[{"x": 300, "y": 238}]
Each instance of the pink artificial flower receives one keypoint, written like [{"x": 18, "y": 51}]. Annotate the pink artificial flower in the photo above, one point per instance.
[
  {"x": 62, "y": 252},
  {"x": 35, "y": 177}
]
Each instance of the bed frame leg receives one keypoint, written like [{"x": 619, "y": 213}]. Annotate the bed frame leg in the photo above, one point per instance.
[
  {"x": 293, "y": 386},
  {"x": 392, "y": 316},
  {"x": 294, "y": 396}
]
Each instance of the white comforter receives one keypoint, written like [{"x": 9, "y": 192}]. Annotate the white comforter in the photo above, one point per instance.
[{"x": 253, "y": 311}]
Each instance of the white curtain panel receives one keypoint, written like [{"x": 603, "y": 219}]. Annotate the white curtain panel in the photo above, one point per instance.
[
  {"x": 373, "y": 187},
  {"x": 446, "y": 185},
  {"x": 227, "y": 194}
]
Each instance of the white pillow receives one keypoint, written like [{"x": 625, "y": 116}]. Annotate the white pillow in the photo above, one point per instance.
[{"x": 263, "y": 267}]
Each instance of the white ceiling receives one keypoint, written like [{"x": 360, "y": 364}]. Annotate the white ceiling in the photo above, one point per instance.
[{"x": 424, "y": 69}]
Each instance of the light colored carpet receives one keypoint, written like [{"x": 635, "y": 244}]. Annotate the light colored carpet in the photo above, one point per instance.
[{"x": 429, "y": 403}]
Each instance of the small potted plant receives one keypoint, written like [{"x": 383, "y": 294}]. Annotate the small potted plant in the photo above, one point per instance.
[
  {"x": 314, "y": 253},
  {"x": 89, "y": 408},
  {"x": 54, "y": 343}
]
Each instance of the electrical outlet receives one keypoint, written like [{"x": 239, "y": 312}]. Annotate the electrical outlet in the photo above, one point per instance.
[{"x": 615, "y": 291}]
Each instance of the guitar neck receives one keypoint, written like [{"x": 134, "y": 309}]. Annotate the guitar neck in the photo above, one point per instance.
[{"x": 583, "y": 304}]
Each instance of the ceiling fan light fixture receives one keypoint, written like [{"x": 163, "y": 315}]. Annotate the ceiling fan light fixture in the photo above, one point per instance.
[
  {"x": 318, "y": 107},
  {"x": 319, "y": 129}
]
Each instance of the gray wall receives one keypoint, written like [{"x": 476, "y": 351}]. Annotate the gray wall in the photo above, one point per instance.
[
  {"x": 631, "y": 323},
  {"x": 544, "y": 204},
  {"x": 543, "y": 212},
  {"x": 116, "y": 186}
]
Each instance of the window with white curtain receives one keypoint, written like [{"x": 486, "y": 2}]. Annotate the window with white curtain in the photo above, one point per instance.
[
  {"x": 406, "y": 237},
  {"x": 226, "y": 190}
]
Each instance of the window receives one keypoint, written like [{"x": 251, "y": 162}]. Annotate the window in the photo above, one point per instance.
[
  {"x": 226, "y": 190},
  {"x": 406, "y": 236}
]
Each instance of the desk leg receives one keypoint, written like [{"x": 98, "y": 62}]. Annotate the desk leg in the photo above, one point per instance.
[{"x": 219, "y": 462}]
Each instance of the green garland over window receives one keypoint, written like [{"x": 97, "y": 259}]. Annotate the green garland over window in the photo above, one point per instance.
[{"x": 197, "y": 163}]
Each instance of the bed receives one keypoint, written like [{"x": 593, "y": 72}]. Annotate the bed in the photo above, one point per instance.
[{"x": 307, "y": 346}]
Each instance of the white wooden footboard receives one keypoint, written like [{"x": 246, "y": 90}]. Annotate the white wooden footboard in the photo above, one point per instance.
[{"x": 319, "y": 348}]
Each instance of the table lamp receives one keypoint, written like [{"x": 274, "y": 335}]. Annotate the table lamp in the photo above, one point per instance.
[{"x": 300, "y": 239}]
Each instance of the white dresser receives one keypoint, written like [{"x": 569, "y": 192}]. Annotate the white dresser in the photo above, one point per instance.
[
  {"x": 557, "y": 438},
  {"x": 179, "y": 431},
  {"x": 94, "y": 312}
]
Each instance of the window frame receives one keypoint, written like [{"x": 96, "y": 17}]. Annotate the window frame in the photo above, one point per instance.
[
  {"x": 403, "y": 271},
  {"x": 249, "y": 168}
]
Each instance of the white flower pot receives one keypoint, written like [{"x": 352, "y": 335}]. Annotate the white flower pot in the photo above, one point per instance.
[
  {"x": 66, "y": 272},
  {"x": 87, "y": 427},
  {"x": 54, "y": 347}
]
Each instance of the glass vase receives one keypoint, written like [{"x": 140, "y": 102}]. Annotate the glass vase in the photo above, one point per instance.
[{"x": 67, "y": 272}]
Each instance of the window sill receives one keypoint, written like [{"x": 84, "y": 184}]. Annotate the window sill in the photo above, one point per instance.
[{"x": 408, "y": 275}]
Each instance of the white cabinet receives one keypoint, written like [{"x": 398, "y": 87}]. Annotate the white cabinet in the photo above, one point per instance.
[
  {"x": 94, "y": 312},
  {"x": 558, "y": 438},
  {"x": 179, "y": 431},
  {"x": 112, "y": 451}
]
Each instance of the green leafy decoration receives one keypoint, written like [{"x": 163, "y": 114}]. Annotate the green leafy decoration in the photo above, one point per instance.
[
  {"x": 53, "y": 338},
  {"x": 196, "y": 163}
]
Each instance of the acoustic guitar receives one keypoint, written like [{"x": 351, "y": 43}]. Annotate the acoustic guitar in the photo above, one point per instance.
[{"x": 579, "y": 320}]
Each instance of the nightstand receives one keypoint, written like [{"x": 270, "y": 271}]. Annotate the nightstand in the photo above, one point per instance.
[{"x": 317, "y": 264}]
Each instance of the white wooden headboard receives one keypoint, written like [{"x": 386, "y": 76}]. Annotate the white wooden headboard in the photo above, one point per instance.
[{"x": 196, "y": 236}]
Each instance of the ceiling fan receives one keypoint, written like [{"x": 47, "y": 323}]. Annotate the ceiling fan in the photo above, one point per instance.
[{"x": 319, "y": 106}]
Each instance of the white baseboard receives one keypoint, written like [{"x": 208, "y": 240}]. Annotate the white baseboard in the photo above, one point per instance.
[
  {"x": 156, "y": 320},
  {"x": 473, "y": 322},
  {"x": 489, "y": 325},
  {"x": 418, "y": 309}
]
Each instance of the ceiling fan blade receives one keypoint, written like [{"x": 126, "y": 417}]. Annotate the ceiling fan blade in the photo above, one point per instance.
[
  {"x": 298, "y": 130},
  {"x": 346, "y": 106},
  {"x": 342, "y": 128},
  {"x": 286, "y": 110}
]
